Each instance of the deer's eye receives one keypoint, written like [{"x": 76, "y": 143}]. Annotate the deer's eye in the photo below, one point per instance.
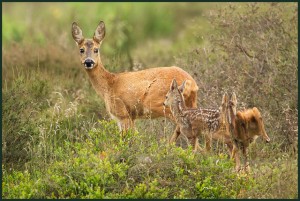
[
  {"x": 81, "y": 50},
  {"x": 96, "y": 50}
]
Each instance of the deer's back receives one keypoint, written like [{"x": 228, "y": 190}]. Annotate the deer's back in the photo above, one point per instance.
[
  {"x": 143, "y": 92},
  {"x": 208, "y": 119},
  {"x": 250, "y": 119}
]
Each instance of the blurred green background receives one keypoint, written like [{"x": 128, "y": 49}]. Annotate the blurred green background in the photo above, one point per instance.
[
  {"x": 50, "y": 111},
  {"x": 128, "y": 25}
]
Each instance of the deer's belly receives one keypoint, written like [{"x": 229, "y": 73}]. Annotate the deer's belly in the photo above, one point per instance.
[
  {"x": 153, "y": 112},
  {"x": 122, "y": 110}
]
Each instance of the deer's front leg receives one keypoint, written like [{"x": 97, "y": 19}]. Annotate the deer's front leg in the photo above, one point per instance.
[
  {"x": 197, "y": 146},
  {"x": 118, "y": 111},
  {"x": 175, "y": 134},
  {"x": 193, "y": 139},
  {"x": 125, "y": 125},
  {"x": 208, "y": 138},
  {"x": 246, "y": 163},
  {"x": 234, "y": 154}
]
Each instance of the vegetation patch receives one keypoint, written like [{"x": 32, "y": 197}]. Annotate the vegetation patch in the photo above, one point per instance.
[{"x": 59, "y": 142}]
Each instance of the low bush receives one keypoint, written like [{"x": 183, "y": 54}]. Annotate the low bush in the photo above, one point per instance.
[{"x": 112, "y": 167}]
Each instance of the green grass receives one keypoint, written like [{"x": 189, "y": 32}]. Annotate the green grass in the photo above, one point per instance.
[
  {"x": 58, "y": 140},
  {"x": 109, "y": 167}
]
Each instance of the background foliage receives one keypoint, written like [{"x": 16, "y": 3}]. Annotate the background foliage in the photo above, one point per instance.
[{"x": 58, "y": 141}]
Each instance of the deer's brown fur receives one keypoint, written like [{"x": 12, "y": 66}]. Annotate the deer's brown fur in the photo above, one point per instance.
[
  {"x": 245, "y": 127},
  {"x": 194, "y": 122},
  {"x": 130, "y": 95}
]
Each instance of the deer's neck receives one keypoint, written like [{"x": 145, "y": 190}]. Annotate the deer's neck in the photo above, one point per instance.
[
  {"x": 101, "y": 79},
  {"x": 177, "y": 109}
]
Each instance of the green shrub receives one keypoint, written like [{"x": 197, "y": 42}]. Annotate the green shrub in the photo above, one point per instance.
[
  {"x": 18, "y": 184},
  {"x": 21, "y": 104},
  {"x": 112, "y": 167}
]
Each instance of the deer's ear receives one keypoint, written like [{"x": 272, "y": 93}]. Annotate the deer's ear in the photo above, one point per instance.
[
  {"x": 233, "y": 98},
  {"x": 173, "y": 85},
  {"x": 100, "y": 32},
  {"x": 225, "y": 99},
  {"x": 182, "y": 87},
  {"x": 77, "y": 33}
]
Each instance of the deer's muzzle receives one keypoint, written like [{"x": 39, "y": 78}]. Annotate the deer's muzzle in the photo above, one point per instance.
[{"x": 89, "y": 63}]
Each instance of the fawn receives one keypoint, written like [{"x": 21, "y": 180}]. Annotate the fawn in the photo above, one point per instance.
[
  {"x": 193, "y": 122},
  {"x": 130, "y": 95},
  {"x": 244, "y": 126}
]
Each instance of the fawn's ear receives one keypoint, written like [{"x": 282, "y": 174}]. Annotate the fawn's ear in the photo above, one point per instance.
[
  {"x": 173, "y": 85},
  {"x": 77, "y": 33},
  {"x": 182, "y": 87},
  {"x": 233, "y": 98},
  {"x": 100, "y": 32},
  {"x": 225, "y": 99}
]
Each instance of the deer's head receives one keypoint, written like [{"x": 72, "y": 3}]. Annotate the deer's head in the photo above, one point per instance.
[
  {"x": 174, "y": 94},
  {"x": 89, "y": 49},
  {"x": 261, "y": 126}
]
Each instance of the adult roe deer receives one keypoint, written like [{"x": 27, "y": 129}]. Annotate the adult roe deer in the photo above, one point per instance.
[
  {"x": 130, "y": 95},
  {"x": 244, "y": 126},
  {"x": 196, "y": 121}
]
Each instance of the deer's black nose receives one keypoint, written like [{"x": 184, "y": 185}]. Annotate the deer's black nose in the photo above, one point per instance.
[{"x": 89, "y": 63}]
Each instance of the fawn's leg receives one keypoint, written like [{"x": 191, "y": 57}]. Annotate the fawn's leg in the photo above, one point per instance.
[
  {"x": 246, "y": 154},
  {"x": 208, "y": 142},
  {"x": 193, "y": 141},
  {"x": 196, "y": 145},
  {"x": 233, "y": 152},
  {"x": 221, "y": 135},
  {"x": 235, "y": 155},
  {"x": 175, "y": 134}
]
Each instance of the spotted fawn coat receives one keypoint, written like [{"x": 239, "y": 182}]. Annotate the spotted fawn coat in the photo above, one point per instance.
[{"x": 194, "y": 122}]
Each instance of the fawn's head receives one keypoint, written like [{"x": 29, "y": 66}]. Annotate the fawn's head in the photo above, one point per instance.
[
  {"x": 174, "y": 94},
  {"x": 89, "y": 49},
  {"x": 260, "y": 125}
]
